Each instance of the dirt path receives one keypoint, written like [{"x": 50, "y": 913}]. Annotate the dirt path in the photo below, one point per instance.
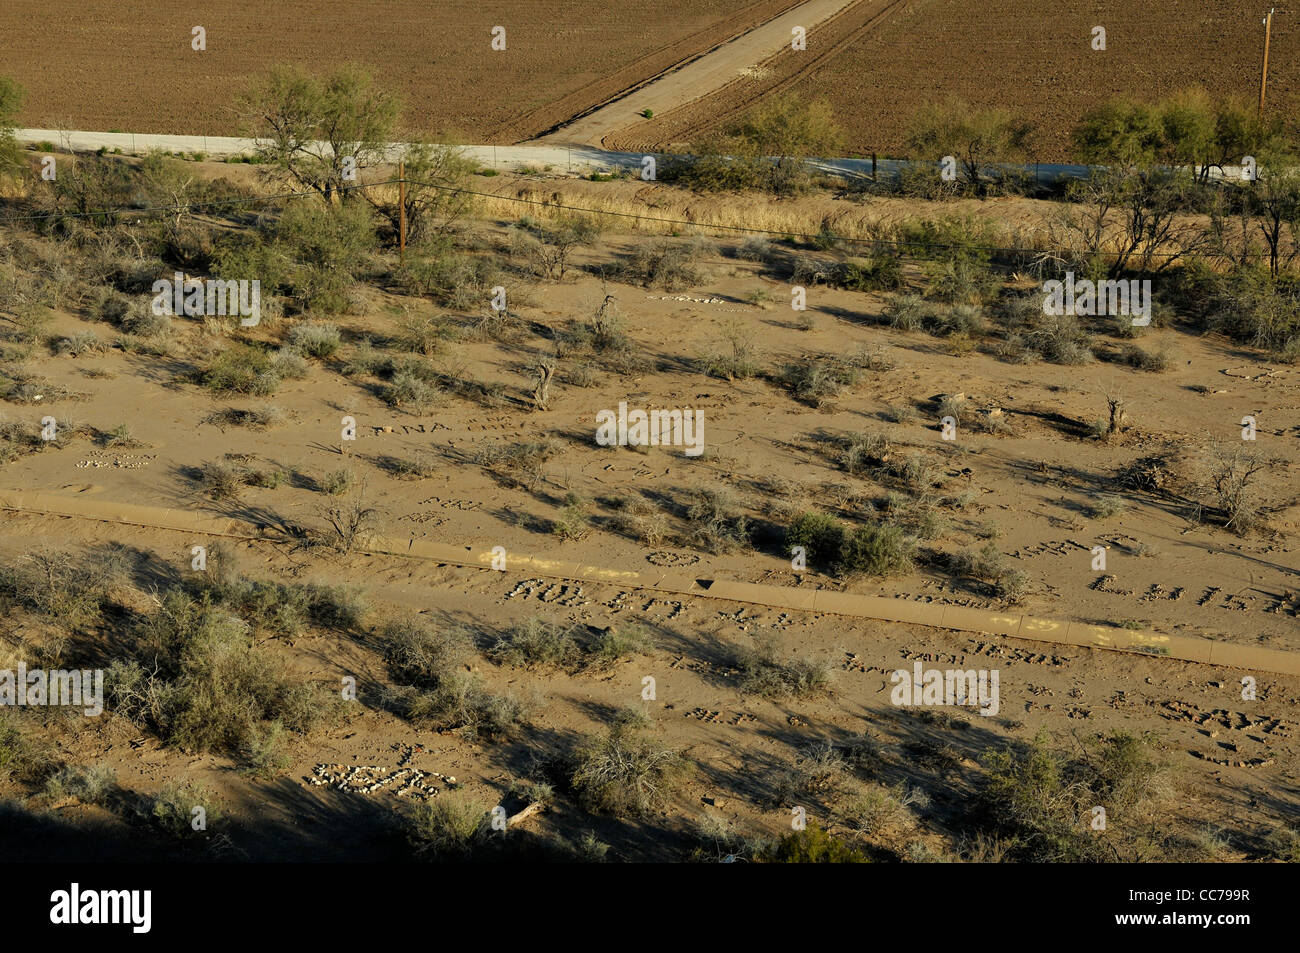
[
  {"x": 1007, "y": 623},
  {"x": 700, "y": 77}
]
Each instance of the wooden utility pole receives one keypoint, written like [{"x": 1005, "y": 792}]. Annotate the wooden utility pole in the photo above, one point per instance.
[
  {"x": 401, "y": 212},
  {"x": 1263, "y": 73}
]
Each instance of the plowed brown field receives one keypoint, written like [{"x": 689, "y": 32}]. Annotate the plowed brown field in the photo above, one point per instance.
[
  {"x": 109, "y": 64},
  {"x": 878, "y": 63}
]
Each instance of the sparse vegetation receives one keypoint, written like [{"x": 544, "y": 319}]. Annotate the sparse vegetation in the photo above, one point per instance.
[{"x": 626, "y": 773}]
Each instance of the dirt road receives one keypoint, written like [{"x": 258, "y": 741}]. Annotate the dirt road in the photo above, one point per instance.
[{"x": 702, "y": 76}]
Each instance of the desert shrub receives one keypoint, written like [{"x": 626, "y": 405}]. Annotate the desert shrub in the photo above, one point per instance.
[
  {"x": 877, "y": 551},
  {"x": 818, "y": 772},
  {"x": 537, "y": 642},
  {"x": 1228, "y": 478},
  {"x": 881, "y": 811},
  {"x": 423, "y": 334},
  {"x": 619, "y": 642},
  {"x": 434, "y": 687},
  {"x": 642, "y": 521},
  {"x": 961, "y": 278},
  {"x": 1143, "y": 360},
  {"x": 626, "y": 773},
  {"x": 77, "y": 345},
  {"x": 245, "y": 256},
  {"x": 812, "y": 271},
  {"x": 287, "y": 363},
  {"x": 224, "y": 480},
  {"x": 812, "y": 845},
  {"x": 329, "y": 244},
  {"x": 882, "y": 271},
  {"x": 573, "y": 521},
  {"x": 241, "y": 369},
  {"x": 670, "y": 265},
  {"x": 119, "y": 436},
  {"x": 14, "y": 439},
  {"x": 872, "y": 550},
  {"x": 986, "y": 564},
  {"x": 764, "y": 672},
  {"x": 451, "y": 278},
  {"x": 1284, "y": 845},
  {"x": 1249, "y": 307},
  {"x": 763, "y": 149},
  {"x": 717, "y": 524},
  {"x": 90, "y": 784},
  {"x": 261, "y": 418},
  {"x": 522, "y": 464},
  {"x": 171, "y": 809},
  {"x": 754, "y": 248},
  {"x": 910, "y": 312},
  {"x": 1108, "y": 505},
  {"x": 317, "y": 340},
  {"x": 549, "y": 250},
  {"x": 410, "y": 390},
  {"x": 865, "y": 451},
  {"x": 1012, "y": 586},
  {"x": 22, "y": 756},
  {"x": 338, "y": 482},
  {"x": 142, "y": 323},
  {"x": 365, "y": 359},
  {"x": 1150, "y": 473},
  {"x": 1043, "y": 798},
  {"x": 417, "y": 469},
  {"x": 70, "y": 590},
  {"x": 207, "y": 686},
  {"x": 983, "y": 563},
  {"x": 420, "y": 655},
  {"x": 263, "y": 751},
  {"x": 448, "y": 827},
  {"x": 821, "y": 537},
  {"x": 818, "y": 380},
  {"x": 1060, "y": 339},
  {"x": 734, "y": 359}
]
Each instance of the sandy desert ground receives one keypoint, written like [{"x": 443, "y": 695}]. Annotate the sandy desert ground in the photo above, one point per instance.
[
  {"x": 1039, "y": 487},
  {"x": 368, "y": 582}
]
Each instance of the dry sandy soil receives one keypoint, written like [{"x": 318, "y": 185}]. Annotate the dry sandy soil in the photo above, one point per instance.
[{"x": 1033, "y": 491}]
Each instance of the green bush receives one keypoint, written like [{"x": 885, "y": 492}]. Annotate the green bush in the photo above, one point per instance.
[
  {"x": 821, "y": 536},
  {"x": 874, "y": 550},
  {"x": 877, "y": 551},
  {"x": 810, "y": 846},
  {"x": 241, "y": 369}
]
